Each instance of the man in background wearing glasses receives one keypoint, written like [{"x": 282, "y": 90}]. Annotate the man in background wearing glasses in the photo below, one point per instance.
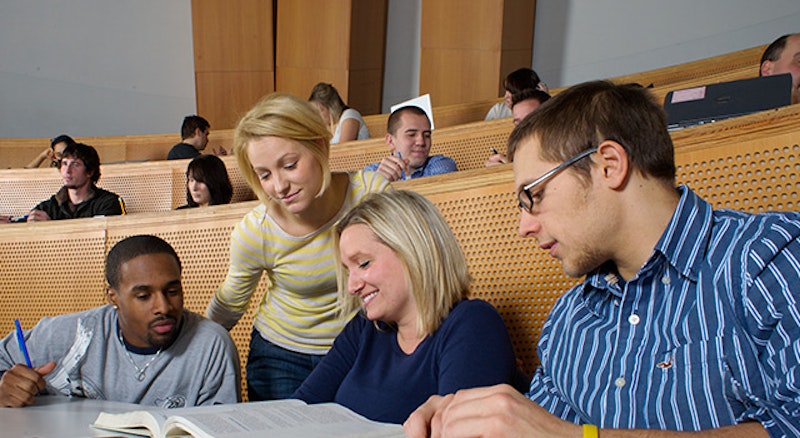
[{"x": 688, "y": 318}]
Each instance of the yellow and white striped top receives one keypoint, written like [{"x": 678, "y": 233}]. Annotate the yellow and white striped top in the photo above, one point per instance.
[{"x": 298, "y": 310}]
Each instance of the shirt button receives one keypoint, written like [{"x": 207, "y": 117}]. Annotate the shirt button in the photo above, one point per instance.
[
  {"x": 665, "y": 279},
  {"x": 619, "y": 382},
  {"x": 633, "y": 319}
]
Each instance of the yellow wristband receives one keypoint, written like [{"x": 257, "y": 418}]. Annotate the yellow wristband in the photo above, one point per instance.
[{"x": 590, "y": 431}]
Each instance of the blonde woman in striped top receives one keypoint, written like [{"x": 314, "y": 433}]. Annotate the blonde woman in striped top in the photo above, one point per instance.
[{"x": 282, "y": 148}]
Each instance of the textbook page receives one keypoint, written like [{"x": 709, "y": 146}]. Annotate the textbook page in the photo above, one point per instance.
[{"x": 279, "y": 418}]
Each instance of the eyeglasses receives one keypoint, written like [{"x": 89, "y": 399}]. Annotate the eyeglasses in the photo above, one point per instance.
[{"x": 526, "y": 194}]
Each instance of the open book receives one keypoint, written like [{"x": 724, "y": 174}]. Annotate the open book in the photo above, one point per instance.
[{"x": 279, "y": 418}]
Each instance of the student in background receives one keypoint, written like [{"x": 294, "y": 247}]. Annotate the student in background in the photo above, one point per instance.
[
  {"x": 79, "y": 197},
  {"x": 783, "y": 56},
  {"x": 415, "y": 334},
  {"x": 52, "y": 155},
  {"x": 281, "y": 146},
  {"x": 207, "y": 182},
  {"x": 409, "y": 140},
  {"x": 142, "y": 347},
  {"x": 194, "y": 139},
  {"x": 516, "y": 81},
  {"x": 522, "y": 104},
  {"x": 344, "y": 122}
]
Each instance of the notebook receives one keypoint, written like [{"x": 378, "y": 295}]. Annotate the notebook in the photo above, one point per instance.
[{"x": 709, "y": 103}]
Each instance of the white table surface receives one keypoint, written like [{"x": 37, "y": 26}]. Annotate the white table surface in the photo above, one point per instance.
[{"x": 59, "y": 417}]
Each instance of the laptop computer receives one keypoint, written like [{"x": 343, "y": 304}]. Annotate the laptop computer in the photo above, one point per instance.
[{"x": 709, "y": 103}]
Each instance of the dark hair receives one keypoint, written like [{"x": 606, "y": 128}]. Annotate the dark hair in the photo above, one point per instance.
[
  {"x": 132, "y": 247},
  {"x": 529, "y": 93},
  {"x": 328, "y": 96},
  {"x": 87, "y": 154},
  {"x": 585, "y": 115},
  {"x": 211, "y": 171},
  {"x": 63, "y": 138},
  {"x": 773, "y": 51},
  {"x": 394, "y": 119},
  {"x": 521, "y": 79},
  {"x": 191, "y": 123}
]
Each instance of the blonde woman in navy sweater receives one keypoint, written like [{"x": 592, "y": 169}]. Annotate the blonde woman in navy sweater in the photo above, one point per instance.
[{"x": 417, "y": 334}]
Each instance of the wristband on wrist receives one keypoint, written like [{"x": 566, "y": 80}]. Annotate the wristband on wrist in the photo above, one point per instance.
[{"x": 590, "y": 431}]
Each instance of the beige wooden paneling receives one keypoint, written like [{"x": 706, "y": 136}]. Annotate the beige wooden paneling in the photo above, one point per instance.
[
  {"x": 233, "y": 57},
  {"x": 337, "y": 41},
  {"x": 469, "y": 47}
]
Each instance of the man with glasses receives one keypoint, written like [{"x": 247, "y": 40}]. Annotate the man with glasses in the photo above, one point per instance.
[
  {"x": 79, "y": 197},
  {"x": 688, "y": 318}
]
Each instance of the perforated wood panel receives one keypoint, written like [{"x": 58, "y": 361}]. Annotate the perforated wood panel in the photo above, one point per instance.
[
  {"x": 521, "y": 281},
  {"x": 751, "y": 177},
  {"x": 471, "y": 152},
  {"x": 142, "y": 192},
  {"x": 45, "y": 271},
  {"x": 18, "y": 195}
]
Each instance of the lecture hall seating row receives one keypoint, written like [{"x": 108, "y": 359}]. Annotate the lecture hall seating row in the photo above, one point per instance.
[
  {"x": 17, "y": 152},
  {"x": 159, "y": 185}
]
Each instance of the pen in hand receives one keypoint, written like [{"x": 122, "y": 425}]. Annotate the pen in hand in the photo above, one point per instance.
[
  {"x": 494, "y": 151},
  {"x": 21, "y": 342},
  {"x": 402, "y": 172}
]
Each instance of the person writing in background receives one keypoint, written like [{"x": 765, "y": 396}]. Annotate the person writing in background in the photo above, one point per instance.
[
  {"x": 345, "y": 123},
  {"x": 281, "y": 146},
  {"x": 415, "y": 334},
  {"x": 143, "y": 347},
  {"x": 195, "y": 131},
  {"x": 687, "y": 322},
  {"x": 52, "y": 155},
  {"x": 207, "y": 182},
  {"x": 409, "y": 140},
  {"x": 522, "y": 104}
]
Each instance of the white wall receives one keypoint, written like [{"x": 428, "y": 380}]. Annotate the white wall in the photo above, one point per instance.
[
  {"x": 576, "y": 40},
  {"x": 95, "y": 67},
  {"x": 401, "y": 66},
  {"x": 115, "y": 67}
]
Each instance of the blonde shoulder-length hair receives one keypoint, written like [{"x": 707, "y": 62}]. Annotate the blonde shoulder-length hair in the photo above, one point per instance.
[
  {"x": 286, "y": 116},
  {"x": 434, "y": 266}
]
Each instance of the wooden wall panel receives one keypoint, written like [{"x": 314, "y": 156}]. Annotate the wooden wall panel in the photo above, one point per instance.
[
  {"x": 458, "y": 75},
  {"x": 224, "y": 97},
  {"x": 337, "y": 41},
  {"x": 469, "y": 47},
  {"x": 233, "y": 56}
]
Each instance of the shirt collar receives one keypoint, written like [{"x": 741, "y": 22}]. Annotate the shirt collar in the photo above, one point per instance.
[
  {"x": 687, "y": 235},
  {"x": 683, "y": 243}
]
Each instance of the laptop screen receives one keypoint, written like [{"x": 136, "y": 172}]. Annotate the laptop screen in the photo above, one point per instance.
[{"x": 709, "y": 103}]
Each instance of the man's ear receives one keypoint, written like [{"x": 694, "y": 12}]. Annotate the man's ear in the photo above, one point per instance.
[
  {"x": 613, "y": 164},
  {"x": 111, "y": 296},
  {"x": 766, "y": 68},
  {"x": 390, "y": 142}
]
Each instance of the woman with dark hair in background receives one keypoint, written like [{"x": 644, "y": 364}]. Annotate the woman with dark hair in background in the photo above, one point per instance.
[
  {"x": 516, "y": 81},
  {"x": 207, "y": 182}
]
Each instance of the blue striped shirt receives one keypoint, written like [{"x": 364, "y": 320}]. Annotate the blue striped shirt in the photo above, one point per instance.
[
  {"x": 707, "y": 334},
  {"x": 435, "y": 165}
]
